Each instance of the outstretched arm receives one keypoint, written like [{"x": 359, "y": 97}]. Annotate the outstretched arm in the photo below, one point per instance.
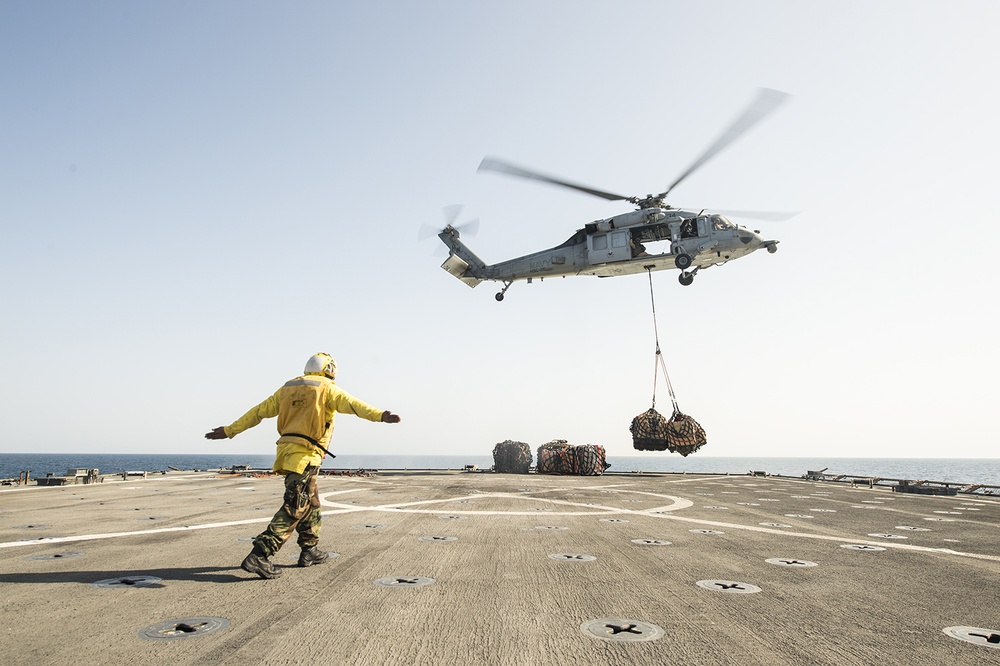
[
  {"x": 265, "y": 410},
  {"x": 341, "y": 401}
]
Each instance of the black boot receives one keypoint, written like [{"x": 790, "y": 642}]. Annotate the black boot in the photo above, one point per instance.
[
  {"x": 256, "y": 562},
  {"x": 311, "y": 556}
]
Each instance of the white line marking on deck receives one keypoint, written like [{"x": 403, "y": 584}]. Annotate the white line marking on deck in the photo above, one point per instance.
[{"x": 586, "y": 509}]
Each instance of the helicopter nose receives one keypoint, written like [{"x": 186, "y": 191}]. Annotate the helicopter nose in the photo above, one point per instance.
[{"x": 752, "y": 241}]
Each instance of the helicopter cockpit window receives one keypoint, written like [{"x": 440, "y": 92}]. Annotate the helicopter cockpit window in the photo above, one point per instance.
[
  {"x": 600, "y": 242},
  {"x": 720, "y": 223}
]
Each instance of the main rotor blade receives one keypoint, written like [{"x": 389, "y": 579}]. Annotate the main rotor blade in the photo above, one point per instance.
[
  {"x": 766, "y": 102},
  {"x": 492, "y": 164},
  {"x": 772, "y": 216}
]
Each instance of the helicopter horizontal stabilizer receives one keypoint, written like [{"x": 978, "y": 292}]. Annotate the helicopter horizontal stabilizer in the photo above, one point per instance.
[{"x": 457, "y": 267}]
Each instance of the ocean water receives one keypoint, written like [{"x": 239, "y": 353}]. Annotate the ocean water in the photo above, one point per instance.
[{"x": 958, "y": 470}]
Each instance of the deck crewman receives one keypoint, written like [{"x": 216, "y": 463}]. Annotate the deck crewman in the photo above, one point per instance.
[{"x": 306, "y": 407}]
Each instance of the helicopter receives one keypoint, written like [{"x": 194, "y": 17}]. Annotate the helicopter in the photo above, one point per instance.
[{"x": 615, "y": 245}]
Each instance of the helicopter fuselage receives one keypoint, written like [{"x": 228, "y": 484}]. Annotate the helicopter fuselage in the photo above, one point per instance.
[{"x": 616, "y": 246}]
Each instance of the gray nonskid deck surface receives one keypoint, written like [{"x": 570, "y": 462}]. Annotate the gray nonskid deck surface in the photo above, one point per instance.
[{"x": 534, "y": 567}]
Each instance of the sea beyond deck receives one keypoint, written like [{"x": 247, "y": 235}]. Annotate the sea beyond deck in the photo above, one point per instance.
[{"x": 482, "y": 568}]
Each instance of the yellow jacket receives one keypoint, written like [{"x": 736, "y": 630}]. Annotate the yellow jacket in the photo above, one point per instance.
[{"x": 295, "y": 453}]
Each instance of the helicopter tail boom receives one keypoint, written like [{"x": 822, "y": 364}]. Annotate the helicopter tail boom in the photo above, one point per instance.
[{"x": 461, "y": 262}]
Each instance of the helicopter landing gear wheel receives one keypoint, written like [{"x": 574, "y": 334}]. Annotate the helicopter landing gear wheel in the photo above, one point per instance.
[
  {"x": 682, "y": 261},
  {"x": 506, "y": 286},
  {"x": 686, "y": 278}
]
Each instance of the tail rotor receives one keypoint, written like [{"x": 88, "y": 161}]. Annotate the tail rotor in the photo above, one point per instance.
[{"x": 451, "y": 213}]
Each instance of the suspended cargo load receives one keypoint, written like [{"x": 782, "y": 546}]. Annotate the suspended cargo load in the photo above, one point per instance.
[
  {"x": 510, "y": 457},
  {"x": 651, "y": 431}
]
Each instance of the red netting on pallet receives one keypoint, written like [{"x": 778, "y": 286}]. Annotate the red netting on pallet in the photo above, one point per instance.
[{"x": 556, "y": 457}]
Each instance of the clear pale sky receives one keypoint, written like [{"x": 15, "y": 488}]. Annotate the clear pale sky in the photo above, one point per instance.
[{"x": 196, "y": 196}]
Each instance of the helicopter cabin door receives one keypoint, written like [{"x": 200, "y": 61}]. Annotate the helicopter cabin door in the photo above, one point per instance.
[{"x": 605, "y": 248}]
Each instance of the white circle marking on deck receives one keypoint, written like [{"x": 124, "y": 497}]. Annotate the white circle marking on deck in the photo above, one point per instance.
[
  {"x": 552, "y": 506},
  {"x": 666, "y": 512}
]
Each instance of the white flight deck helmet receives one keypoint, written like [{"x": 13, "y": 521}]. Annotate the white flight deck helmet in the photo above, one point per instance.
[{"x": 321, "y": 364}]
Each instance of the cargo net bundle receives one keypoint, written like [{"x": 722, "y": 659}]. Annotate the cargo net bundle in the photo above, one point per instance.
[
  {"x": 559, "y": 457},
  {"x": 651, "y": 431},
  {"x": 510, "y": 457}
]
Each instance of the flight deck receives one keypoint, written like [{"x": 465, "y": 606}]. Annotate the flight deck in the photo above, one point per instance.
[{"x": 453, "y": 567}]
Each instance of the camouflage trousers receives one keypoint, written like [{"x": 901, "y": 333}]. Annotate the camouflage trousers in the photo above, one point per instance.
[{"x": 299, "y": 512}]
